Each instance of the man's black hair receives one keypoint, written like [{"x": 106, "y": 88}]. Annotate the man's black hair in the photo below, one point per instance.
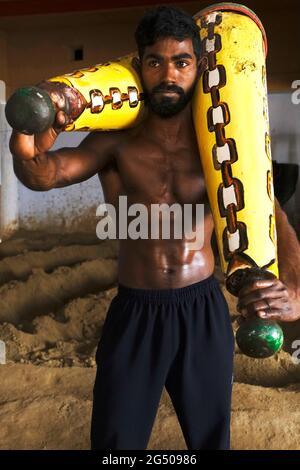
[{"x": 166, "y": 21}]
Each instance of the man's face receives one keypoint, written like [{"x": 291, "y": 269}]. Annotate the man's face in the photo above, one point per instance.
[{"x": 169, "y": 75}]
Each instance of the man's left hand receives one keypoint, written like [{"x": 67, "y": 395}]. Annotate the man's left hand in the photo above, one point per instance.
[{"x": 268, "y": 299}]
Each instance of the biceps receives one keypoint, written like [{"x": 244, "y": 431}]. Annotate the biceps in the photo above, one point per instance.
[
  {"x": 74, "y": 166},
  {"x": 37, "y": 174}
]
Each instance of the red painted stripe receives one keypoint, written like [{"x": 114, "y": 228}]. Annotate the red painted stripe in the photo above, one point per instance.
[{"x": 38, "y": 7}]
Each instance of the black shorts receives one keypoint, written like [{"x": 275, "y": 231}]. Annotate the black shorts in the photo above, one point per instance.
[{"x": 178, "y": 338}]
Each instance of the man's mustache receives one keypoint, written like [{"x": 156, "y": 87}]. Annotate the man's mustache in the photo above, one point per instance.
[{"x": 171, "y": 88}]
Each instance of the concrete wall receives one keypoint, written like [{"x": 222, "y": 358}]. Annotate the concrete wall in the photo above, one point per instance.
[
  {"x": 3, "y": 57},
  {"x": 64, "y": 209},
  {"x": 51, "y": 50},
  {"x": 74, "y": 207},
  {"x": 9, "y": 212},
  {"x": 33, "y": 48},
  {"x": 38, "y": 47}
]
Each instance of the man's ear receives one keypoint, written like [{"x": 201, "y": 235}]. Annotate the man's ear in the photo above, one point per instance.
[{"x": 136, "y": 64}]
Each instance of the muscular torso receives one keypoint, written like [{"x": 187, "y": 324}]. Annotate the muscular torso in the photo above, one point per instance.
[{"x": 149, "y": 173}]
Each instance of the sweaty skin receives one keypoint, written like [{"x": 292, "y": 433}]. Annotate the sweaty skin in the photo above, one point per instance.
[
  {"x": 156, "y": 162},
  {"x": 148, "y": 171}
]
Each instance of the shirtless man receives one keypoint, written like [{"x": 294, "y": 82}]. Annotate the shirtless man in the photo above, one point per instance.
[{"x": 169, "y": 324}]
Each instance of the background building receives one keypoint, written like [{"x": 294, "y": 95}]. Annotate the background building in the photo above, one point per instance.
[{"x": 40, "y": 40}]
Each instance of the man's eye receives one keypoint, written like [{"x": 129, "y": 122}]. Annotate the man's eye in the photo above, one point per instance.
[
  {"x": 153, "y": 63},
  {"x": 182, "y": 63}
]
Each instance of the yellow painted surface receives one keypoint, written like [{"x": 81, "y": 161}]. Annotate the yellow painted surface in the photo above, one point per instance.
[
  {"x": 117, "y": 74},
  {"x": 245, "y": 93}
]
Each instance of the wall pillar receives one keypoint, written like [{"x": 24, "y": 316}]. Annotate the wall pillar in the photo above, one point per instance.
[{"x": 9, "y": 183}]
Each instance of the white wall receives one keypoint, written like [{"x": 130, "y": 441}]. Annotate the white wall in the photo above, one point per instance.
[
  {"x": 73, "y": 207},
  {"x": 67, "y": 209},
  {"x": 9, "y": 186}
]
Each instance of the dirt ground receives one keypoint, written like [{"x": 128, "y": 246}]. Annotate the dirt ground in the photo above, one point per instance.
[{"x": 54, "y": 295}]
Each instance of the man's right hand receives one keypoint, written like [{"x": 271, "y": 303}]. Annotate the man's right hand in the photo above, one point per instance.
[
  {"x": 41, "y": 169},
  {"x": 25, "y": 146}
]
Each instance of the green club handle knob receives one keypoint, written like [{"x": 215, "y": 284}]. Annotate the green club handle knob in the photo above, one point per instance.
[
  {"x": 30, "y": 110},
  {"x": 255, "y": 337},
  {"x": 259, "y": 338}
]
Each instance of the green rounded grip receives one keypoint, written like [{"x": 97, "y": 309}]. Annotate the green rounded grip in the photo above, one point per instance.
[
  {"x": 259, "y": 338},
  {"x": 30, "y": 110}
]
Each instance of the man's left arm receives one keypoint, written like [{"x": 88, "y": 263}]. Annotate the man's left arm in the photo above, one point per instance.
[{"x": 278, "y": 299}]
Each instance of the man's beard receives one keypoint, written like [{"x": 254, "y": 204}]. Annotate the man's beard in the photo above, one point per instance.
[{"x": 168, "y": 106}]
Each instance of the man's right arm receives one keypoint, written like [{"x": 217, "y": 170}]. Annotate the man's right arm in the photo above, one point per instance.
[
  {"x": 41, "y": 169},
  {"x": 44, "y": 170}
]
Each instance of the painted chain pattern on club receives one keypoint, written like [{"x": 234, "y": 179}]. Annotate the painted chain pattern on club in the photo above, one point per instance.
[
  {"x": 115, "y": 97},
  {"x": 98, "y": 99},
  {"x": 224, "y": 152}
]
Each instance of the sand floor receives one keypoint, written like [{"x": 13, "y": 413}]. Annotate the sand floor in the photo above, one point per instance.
[{"x": 54, "y": 295}]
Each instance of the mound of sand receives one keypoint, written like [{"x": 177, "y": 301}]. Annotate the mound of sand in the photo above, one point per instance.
[{"x": 55, "y": 292}]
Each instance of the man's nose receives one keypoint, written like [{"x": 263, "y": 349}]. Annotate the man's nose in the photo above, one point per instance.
[{"x": 169, "y": 73}]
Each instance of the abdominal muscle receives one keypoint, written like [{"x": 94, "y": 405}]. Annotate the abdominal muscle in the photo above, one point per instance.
[
  {"x": 164, "y": 264},
  {"x": 161, "y": 263}
]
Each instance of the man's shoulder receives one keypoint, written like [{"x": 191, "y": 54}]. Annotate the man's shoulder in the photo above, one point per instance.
[
  {"x": 108, "y": 136},
  {"x": 99, "y": 141}
]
